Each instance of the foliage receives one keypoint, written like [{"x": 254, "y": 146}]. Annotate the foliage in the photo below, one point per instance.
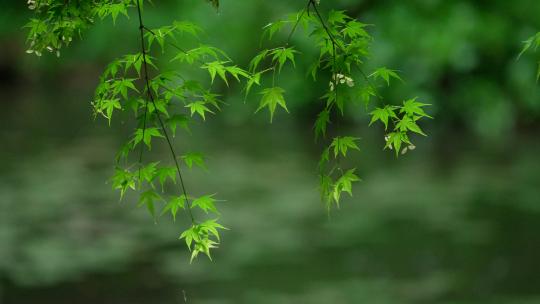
[
  {"x": 162, "y": 100},
  {"x": 532, "y": 43},
  {"x": 343, "y": 45},
  {"x": 56, "y": 23}
]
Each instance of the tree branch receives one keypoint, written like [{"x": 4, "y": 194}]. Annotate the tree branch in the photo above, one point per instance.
[{"x": 151, "y": 98}]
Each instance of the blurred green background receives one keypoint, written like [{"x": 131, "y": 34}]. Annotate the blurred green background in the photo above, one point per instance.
[{"x": 457, "y": 221}]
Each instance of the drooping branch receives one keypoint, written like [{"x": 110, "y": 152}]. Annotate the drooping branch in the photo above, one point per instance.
[{"x": 162, "y": 125}]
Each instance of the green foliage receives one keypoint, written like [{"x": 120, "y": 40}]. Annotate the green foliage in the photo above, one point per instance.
[
  {"x": 321, "y": 124},
  {"x": 194, "y": 158},
  {"x": 174, "y": 205},
  {"x": 205, "y": 203},
  {"x": 57, "y": 22},
  {"x": 385, "y": 74},
  {"x": 166, "y": 173},
  {"x": 148, "y": 199},
  {"x": 271, "y": 98},
  {"x": 340, "y": 145},
  {"x": 146, "y": 136},
  {"x": 198, "y": 107},
  {"x": 160, "y": 105},
  {"x": 202, "y": 237},
  {"x": 532, "y": 43},
  {"x": 331, "y": 190},
  {"x": 282, "y": 55},
  {"x": 383, "y": 114},
  {"x": 404, "y": 120},
  {"x": 123, "y": 180},
  {"x": 343, "y": 46},
  {"x": 344, "y": 184},
  {"x": 222, "y": 69},
  {"x": 162, "y": 101}
]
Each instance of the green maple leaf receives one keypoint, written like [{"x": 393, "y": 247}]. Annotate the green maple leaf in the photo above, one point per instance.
[
  {"x": 395, "y": 140},
  {"x": 187, "y": 27},
  {"x": 254, "y": 63},
  {"x": 203, "y": 246},
  {"x": 122, "y": 86},
  {"x": 386, "y": 74},
  {"x": 206, "y": 203},
  {"x": 115, "y": 9},
  {"x": 338, "y": 17},
  {"x": 123, "y": 180},
  {"x": 383, "y": 114},
  {"x": 323, "y": 119},
  {"x": 137, "y": 60},
  {"x": 254, "y": 79},
  {"x": 412, "y": 107},
  {"x": 176, "y": 203},
  {"x": 198, "y": 236},
  {"x": 147, "y": 134},
  {"x": 216, "y": 68},
  {"x": 281, "y": 55},
  {"x": 533, "y": 42},
  {"x": 271, "y": 98},
  {"x": 160, "y": 105},
  {"x": 147, "y": 198},
  {"x": 148, "y": 172},
  {"x": 271, "y": 28},
  {"x": 355, "y": 29},
  {"x": 409, "y": 124},
  {"x": 198, "y": 54},
  {"x": 200, "y": 108},
  {"x": 190, "y": 235},
  {"x": 165, "y": 173},
  {"x": 344, "y": 184},
  {"x": 236, "y": 72},
  {"x": 108, "y": 105},
  {"x": 212, "y": 227},
  {"x": 326, "y": 188},
  {"x": 343, "y": 144},
  {"x": 194, "y": 158}
]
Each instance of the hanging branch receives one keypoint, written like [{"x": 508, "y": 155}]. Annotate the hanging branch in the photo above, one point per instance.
[{"x": 162, "y": 125}]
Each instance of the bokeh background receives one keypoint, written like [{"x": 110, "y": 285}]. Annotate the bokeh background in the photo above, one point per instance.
[{"x": 457, "y": 221}]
